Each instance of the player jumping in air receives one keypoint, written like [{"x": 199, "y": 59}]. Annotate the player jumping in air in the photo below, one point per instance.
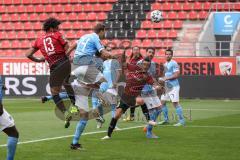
[
  {"x": 53, "y": 46},
  {"x": 172, "y": 89},
  {"x": 135, "y": 82},
  {"x": 7, "y": 126}
]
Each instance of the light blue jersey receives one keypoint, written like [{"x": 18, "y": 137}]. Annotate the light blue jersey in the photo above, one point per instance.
[
  {"x": 148, "y": 89},
  {"x": 87, "y": 46},
  {"x": 110, "y": 69},
  {"x": 171, "y": 67}
]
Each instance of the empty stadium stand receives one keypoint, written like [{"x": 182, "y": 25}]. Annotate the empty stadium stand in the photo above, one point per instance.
[{"x": 21, "y": 20}]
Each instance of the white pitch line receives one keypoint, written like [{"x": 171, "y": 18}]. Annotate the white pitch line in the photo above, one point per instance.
[
  {"x": 202, "y": 109},
  {"x": 67, "y": 136},
  {"x": 96, "y": 132}
]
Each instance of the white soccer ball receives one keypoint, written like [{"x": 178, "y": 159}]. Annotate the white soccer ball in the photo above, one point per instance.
[{"x": 156, "y": 16}]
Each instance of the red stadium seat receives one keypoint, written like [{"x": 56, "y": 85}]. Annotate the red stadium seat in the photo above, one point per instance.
[
  {"x": 193, "y": 15},
  {"x": 146, "y": 43},
  {"x": 160, "y": 52},
  {"x": 152, "y": 34},
  {"x": 26, "y": 2},
  {"x": 107, "y": 7},
  {"x": 166, "y": 6},
  {"x": 68, "y": 8},
  {"x": 18, "y": 26},
  {"x": 11, "y": 35},
  {"x": 237, "y": 6},
  {"x": 55, "y": 1},
  {"x": 21, "y": 35},
  {"x": 156, "y": 6},
  {"x": 86, "y": 25},
  {"x": 77, "y": 8},
  {"x": 158, "y": 25},
  {"x": 3, "y": 9},
  {"x": 203, "y": 15},
  {"x": 28, "y": 26},
  {"x": 76, "y": 25},
  {"x": 172, "y": 15},
  {"x": 172, "y": 34},
  {"x": 14, "y": 17},
  {"x": 177, "y": 24},
  {"x": 182, "y": 15},
  {"x": 136, "y": 42},
  {"x": 19, "y": 53},
  {"x": 31, "y": 35},
  {"x": 30, "y": 8},
  {"x": 6, "y": 44},
  {"x": 16, "y": 44},
  {"x": 162, "y": 34},
  {"x": 87, "y": 8},
  {"x": 58, "y": 8},
  {"x": 66, "y": 25},
  {"x": 2, "y": 26},
  {"x": 39, "y": 8},
  {"x": 26, "y": 44},
  {"x": 92, "y": 16},
  {"x": 176, "y": 6},
  {"x": 15, "y": 2},
  {"x": 3, "y": 35},
  {"x": 81, "y": 16},
  {"x": 63, "y": 16},
  {"x": 101, "y": 16},
  {"x": 37, "y": 26},
  {"x": 5, "y": 17},
  {"x": 49, "y": 8},
  {"x": 9, "y": 9},
  {"x": 197, "y": 6},
  {"x": 71, "y": 35},
  {"x": 24, "y": 17},
  {"x": 157, "y": 43},
  {"x": 33, "y": 17},
  {"x": 187, "y": 6},
  {"x": 98, "y": 7},
  {"x": 167, "y": 43},
  {"x": 147, "y": 24},
  {"x": 207, "y": 5},
  {"x": 167, "y": 24},
  {"x": 9, "y": 26},
  {"x": 6, "y": 2},
  {"x": 141, "y": 34},
  {"x": 43, "y": 16},
  {"x": 36, "y": 2},
  {"x": 73, "y": 16}
]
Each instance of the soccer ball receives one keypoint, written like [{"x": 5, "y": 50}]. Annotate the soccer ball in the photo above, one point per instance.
[{"x": 156, "y": 16}]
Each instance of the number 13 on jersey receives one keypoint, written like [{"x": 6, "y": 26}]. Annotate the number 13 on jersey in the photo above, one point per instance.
[{"x": 48, "y": 45}]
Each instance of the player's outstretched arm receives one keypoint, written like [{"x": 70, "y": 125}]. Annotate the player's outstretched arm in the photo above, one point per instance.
[
  {"x": 71, "y": 48},
  {"x": 30, "y": 55}
]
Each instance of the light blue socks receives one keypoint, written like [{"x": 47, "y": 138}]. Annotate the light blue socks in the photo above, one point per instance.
[
  {"x": 79, "y": 130},
  {"x": 11, "y": 147}
]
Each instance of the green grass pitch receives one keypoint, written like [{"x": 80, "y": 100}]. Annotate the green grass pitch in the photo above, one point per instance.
[{"x": 213, "y": 133}]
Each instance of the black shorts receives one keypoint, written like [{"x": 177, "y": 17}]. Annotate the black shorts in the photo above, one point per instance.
[
  {"x": 60, "y": 72},
  {"x": 126, "y": 101}
]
